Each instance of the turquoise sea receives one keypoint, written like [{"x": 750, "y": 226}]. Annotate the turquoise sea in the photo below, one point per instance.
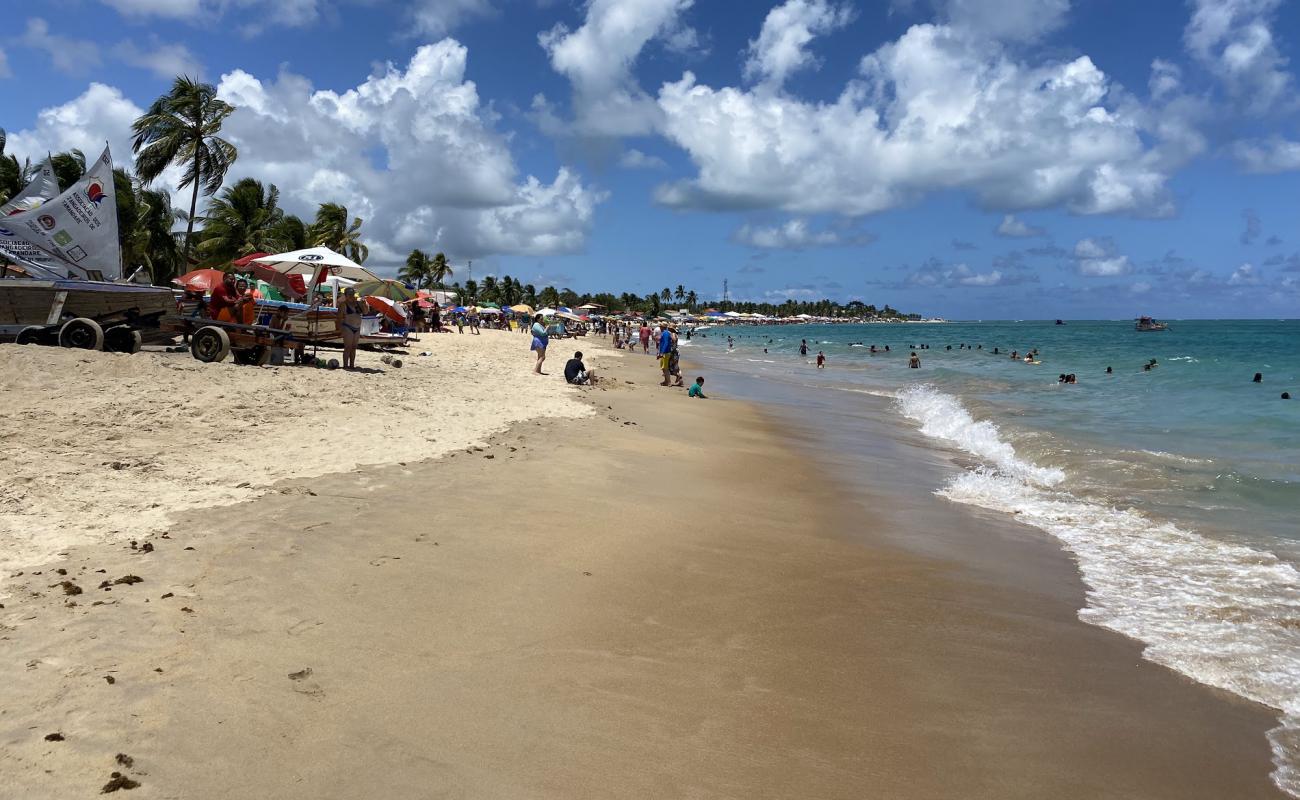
[{"x": 1175, "y": 489}]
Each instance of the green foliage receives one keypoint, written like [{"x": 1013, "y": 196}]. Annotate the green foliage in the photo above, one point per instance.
[
  {"x": 245, "y": 219},
  {"x": 416, "y": 270},
  {"x": 331, "y": 229}
]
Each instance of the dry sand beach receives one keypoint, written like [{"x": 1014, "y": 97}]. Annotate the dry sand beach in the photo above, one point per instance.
[{"x": 609, "y": 592}]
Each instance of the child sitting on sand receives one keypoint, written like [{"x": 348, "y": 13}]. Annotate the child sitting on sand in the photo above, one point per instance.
[{"x": 697, "y": 389}]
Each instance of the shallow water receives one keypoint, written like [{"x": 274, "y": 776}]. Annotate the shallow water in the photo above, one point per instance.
[{"x": 1177, "y": 489}]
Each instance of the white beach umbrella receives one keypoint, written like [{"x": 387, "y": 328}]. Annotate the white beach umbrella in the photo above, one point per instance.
[
  {"x": 546, "y": 312},
  {"x": 306, "y": 262}
]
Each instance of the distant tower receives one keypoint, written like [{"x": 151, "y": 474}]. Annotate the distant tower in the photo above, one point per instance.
[
  {"x": 469, "y": 271},
  {"x": 725, "y": 296}
]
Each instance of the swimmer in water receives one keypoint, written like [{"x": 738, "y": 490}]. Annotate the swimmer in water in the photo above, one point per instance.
[
  {"x": 1109, "y": 371},
  {"x": 914, "y": 362},
  {"x": 821, "y": 360}
]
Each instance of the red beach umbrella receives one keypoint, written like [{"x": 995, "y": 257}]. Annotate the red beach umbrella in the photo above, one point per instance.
[
  {"x": 386, "y": 307},
  {"x": 201, "y": 280}
]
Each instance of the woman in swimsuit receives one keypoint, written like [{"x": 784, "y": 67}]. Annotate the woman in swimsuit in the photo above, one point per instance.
[{"x": 351, "y": 310}]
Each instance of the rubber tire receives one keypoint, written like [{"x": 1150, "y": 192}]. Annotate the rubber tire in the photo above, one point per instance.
[
  {"x": 210, "y": 344},
  {"x": 122, "y": 339},
  {"x": 82, "y": 333},
  {"x": 29, "y": 335}
]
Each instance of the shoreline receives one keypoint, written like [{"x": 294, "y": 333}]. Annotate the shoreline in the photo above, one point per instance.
[{"x": 684, "y": 606}]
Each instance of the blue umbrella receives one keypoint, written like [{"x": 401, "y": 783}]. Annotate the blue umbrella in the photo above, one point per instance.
[{"x": 459, "y": 310}]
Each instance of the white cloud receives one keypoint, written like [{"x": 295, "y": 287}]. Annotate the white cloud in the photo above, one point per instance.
[
  {"x": 83, "y": 123},
  {"x": 1232, "y": 38},
  {"x": 935, "y": 274},
  {"x": 935, "y": 110},
  {"x": 174, "y": 9},
  {"x": 796, "y": 234},
  {"x": 437, "y": 17},
  {"x": 635, "y": 159},
  {"x": 1245, "y": 275},
  {"x": 781, "y": 47},
  {"x": 1096, "y": 258},
  {"x": 1166, "y": 79},
  {"x": 1016, "y": 228},
  {"x": 446, "y": 182},
  {"x": 164, "y": 60},
  {"x": 70, "y": 56},
  {"x": 1023, "y": 20},
  {"x": 597, "y": 59},
  {"x": 1267, "y": 155}
]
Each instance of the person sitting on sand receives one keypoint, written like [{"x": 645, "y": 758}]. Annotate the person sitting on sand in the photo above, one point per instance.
[
  {"x": 575, "y": 372},
  {"x": 697, "y": 389}
]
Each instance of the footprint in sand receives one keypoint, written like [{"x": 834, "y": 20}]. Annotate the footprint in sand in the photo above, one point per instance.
[{"x": 302, "y": 626}]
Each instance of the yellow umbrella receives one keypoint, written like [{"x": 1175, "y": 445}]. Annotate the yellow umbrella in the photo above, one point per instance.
[{"x": 522, "y": 309}]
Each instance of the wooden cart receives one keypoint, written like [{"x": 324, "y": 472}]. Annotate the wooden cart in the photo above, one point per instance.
[{"x": 211, "y": 340}]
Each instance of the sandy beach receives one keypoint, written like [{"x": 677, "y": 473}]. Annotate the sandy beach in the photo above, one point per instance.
[
  {"x": 102, "y": 447},
  {"x": 530, "y": 590}
]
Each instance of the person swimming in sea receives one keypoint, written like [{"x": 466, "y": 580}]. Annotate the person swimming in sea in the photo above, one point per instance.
[
  {"x": 1109, "y": 371},
  {"x": 914, "y": 362}
]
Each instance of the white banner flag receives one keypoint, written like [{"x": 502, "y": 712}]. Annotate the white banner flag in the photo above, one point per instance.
[
  {"x": 42, "y": 188},
  {"x": 78, "y": 227}
]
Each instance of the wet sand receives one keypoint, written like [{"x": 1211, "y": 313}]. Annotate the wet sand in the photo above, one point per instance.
[{"x": 664, "y": 599}]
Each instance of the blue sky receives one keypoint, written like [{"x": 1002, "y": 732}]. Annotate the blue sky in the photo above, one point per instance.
[{"x": 967, "y": 158}]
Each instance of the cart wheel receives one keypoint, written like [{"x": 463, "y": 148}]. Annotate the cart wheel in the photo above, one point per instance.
[
  {"x": 29, "y": 335},
  {"x": 209, "y": 344},
  {"x": 82, "y": 333},
  {"x": 122, "y": 339}
]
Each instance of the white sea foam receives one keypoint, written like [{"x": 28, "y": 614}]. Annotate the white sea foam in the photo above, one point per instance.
[{"x": 1224, "y": 614}]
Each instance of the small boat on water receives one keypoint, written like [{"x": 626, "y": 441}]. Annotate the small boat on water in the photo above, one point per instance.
[
  {"x": 1150, "y": 324},
  {"x": 1060, "y": 322}
]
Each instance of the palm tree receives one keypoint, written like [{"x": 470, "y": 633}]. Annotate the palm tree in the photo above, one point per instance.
[
  {"x": 488, "y": 291},
  {"x": 145, "y": 219},
  {"x": 416, "y": 270},
  {"x": 691, "y": 299},
  {"x": 331, "y": 230},
  {"x": 469, "y": 295},
  {"x": 181, "y": 128},
  {"x": 666, "y": 295},
  {"x": 439, "y": 269},
  {"x": 549, "y": 297},
  {"x": 12, "y": 174},
  {"x": 245, "y": 219},
  {"x": 292, "y": 233},
  {"x": 528, "y": 296},
  {"x": 68, "y": 167},
  {"x": 508, "y": 290},
  {"x": 680, "y": 293}
]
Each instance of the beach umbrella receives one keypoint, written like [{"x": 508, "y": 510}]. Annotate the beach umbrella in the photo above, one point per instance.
[
  {"x": 392, "y": 290},
  {"x": 308, "y": 261},
  {"x": 489, "y": 310},
  {"x": 388, "y": 308},
  {"x": 546, "y": 312},
  {"x": 201, "y": 280},
  {"x": 459, "y": 310},
  {"x": 522, "y": 308}
]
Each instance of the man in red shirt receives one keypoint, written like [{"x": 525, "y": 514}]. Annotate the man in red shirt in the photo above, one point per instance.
[{"x": 223, "y": 297}]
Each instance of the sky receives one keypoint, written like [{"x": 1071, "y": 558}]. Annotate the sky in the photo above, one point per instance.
[{"x": 972, "y": 159}]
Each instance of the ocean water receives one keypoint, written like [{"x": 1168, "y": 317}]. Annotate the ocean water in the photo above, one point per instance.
[{"x": 1176, "y": 489}]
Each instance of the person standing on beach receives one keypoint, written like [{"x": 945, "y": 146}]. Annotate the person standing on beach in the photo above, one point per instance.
[
  {"x": 540, "y": 339},
  {"x": 645, "y": 337},
  {"x": 665, "y": 351},
  {"x": 350, "y": 311}
]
